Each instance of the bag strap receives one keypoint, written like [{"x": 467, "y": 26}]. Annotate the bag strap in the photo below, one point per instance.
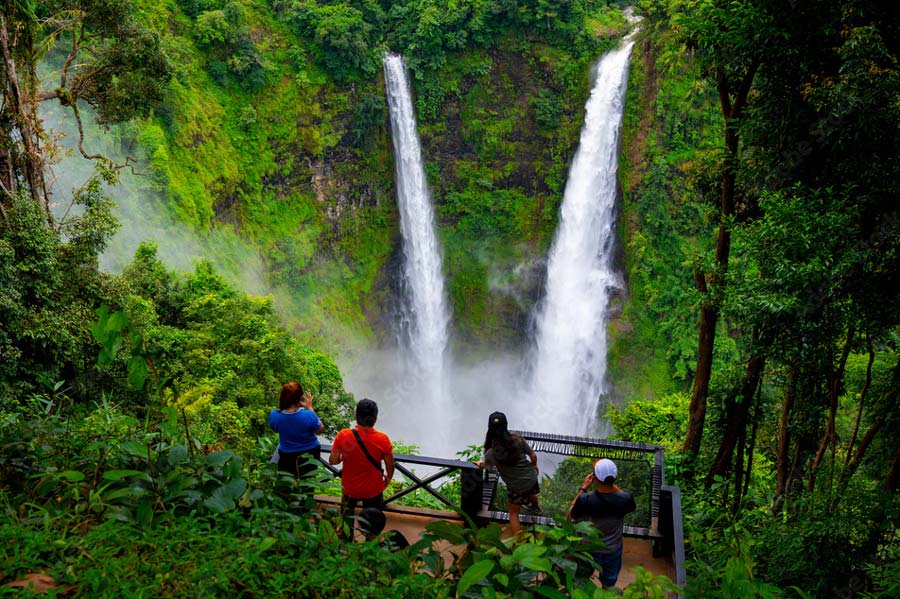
[{"x": 366, "y": 451}]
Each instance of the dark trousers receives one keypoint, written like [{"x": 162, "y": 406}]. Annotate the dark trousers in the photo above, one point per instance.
[
  {"x": 301, "y": 464},
  {"x": 348, "y": 507}
]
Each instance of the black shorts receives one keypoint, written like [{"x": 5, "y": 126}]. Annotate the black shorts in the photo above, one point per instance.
[
  {"x": 523, "y": 497},
  {"x": 348, "y": 504},
  {"x": 301, "y": 463}
]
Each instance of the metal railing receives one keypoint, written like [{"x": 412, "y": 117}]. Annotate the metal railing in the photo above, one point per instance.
[
  {"x": 478, "y": 487},
  {"x": 626, "y": 451},
  {"x": 471, "y": 496}
]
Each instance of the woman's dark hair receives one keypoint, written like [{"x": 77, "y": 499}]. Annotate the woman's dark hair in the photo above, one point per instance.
[
  {"x": 508, "y": 447},
  {"x": 291, "y": 395},
  {"x": 366, "y": 412}
]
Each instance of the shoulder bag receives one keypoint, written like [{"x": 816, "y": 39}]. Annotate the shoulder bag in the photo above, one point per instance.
[{"x": 362, "y": 445}]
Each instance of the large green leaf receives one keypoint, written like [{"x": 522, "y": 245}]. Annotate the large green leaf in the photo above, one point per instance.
[
  {"x": 72, "y": 476},
  {"x": 223, "y": 498},
  {"x": 98, "y": 328},
  {"x": 136, "y": 449},
  {"x": 477, "y": 572},
  {"x": 538, "y": 564},
  {"x": 528, "y": 550},
  {"x": 218, "y": 458},
  {"x": 120, "y": 474},
  {"x": 177, "y": 454},
  {"x": 550, "y": 592},
  {"x": 137, "y": 372}
]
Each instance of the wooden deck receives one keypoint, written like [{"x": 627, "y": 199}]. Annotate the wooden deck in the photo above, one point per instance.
[{"x": 412, "y": 521}]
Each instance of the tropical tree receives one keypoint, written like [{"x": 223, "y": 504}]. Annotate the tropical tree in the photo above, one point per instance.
[{"x": 106, "y": 59}]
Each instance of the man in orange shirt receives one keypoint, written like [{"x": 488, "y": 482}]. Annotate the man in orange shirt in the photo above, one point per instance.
[{"x": 362, "y": 450}]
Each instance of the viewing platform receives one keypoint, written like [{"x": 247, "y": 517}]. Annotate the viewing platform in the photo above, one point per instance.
[{"x": 656, "y": 543}]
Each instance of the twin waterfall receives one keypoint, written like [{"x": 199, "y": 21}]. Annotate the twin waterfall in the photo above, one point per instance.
[{"x": 567, "y": 363}]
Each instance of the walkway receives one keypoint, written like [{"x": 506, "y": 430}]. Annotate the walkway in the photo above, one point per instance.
[{"x": 411, "y": 522}]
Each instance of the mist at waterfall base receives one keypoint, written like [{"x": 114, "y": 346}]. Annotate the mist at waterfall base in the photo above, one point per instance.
[
  {"x": 473, "y": 391},
  {"x": 141, "y": 211}
]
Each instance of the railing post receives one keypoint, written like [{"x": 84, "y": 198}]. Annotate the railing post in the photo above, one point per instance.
[{"x": 471, "y": 491}]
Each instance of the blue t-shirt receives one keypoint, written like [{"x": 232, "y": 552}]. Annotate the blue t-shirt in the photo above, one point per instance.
[{"x": 296, "y": 431}]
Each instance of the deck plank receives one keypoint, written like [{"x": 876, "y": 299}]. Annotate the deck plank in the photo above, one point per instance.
[{"x": 411, "y": 522}]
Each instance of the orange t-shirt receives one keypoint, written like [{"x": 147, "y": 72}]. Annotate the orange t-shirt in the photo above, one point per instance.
[{"x": 361, "y": 479}]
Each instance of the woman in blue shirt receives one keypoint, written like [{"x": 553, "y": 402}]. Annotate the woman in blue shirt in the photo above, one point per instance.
[{"x": 297, "y": 426}]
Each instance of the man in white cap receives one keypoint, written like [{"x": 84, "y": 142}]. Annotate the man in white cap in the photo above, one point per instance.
[{"x": 605, "y": 504}]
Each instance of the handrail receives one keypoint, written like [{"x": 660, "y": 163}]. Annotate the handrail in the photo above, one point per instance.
[
  {"x": 590, "y": 447},
  {"x": 470, "y": 501},
  {"x": 478, "y": 486}
]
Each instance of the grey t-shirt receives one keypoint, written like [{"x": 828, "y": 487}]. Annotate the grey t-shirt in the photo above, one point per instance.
[
  {"x": 607, "y": 511},
  {"x": 519, "y": 477}
]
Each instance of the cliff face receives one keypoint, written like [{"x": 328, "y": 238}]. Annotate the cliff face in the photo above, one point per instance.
[{"x": 298, "y": 164}]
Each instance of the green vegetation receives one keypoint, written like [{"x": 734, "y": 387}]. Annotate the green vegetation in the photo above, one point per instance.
[
  {"x": 759, "y": 174},
  {"x": 208, "y": 522},
  {"x": 744, "y": 204},
  {"x": 276, "y": 122}
]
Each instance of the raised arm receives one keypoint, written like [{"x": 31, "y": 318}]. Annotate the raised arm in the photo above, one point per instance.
[
  {"x": 307, "y": 402},
  {"x": 388, "y": 468},
  {"x": 585, "y": 487}
]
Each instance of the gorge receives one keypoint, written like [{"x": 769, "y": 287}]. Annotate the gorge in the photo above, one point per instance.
[{"x": 555, "y": 384}]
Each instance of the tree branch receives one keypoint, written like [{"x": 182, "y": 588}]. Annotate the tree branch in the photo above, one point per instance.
[
  {"x": 744, "y": 88},
  {"x": 862, "y": 400},
  {"x": 76, "y": 46},
  {"x": 81, "y": 135},
  {"x": 724, "y": 89}
]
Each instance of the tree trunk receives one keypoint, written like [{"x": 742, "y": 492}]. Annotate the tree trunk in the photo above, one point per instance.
[
  {"x": 7, "y": 170},
  {"x": 736, "y": 426},
  {"x": 864, "y": 446},
  {"x": 24, "y": 118},
  {"x": 709, "y": 310},
  {"x": 697, "y": 409},
  {"x": 835, "y": 389},
  {"x": 752, "y": 447},
  {"x": 784, "y": 436},
  {"x": 892, "y": 480},
  {"x": 884, "y": 416},
  {"x": 862, "y": 401}
]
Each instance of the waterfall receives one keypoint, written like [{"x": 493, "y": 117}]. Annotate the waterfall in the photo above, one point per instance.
[
  {"x": 569, "y": 361},
  {"x": 427, "y": 315}
]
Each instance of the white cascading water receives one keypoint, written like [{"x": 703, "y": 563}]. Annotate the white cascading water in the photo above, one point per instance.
[
  {"x": 429, "y": 317},
  {"x": 569, "y": 362}
]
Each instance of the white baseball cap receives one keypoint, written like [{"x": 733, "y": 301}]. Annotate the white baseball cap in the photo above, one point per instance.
[{"x": 604, "y": 468}]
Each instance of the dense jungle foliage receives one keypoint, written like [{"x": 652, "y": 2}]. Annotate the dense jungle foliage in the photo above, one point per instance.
[{"x": 757, "y": 340}]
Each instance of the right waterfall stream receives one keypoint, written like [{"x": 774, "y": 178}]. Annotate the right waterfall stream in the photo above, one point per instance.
[{"x": 568, "y": 363}]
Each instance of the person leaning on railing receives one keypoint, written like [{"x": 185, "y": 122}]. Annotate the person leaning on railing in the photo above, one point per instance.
[
  {"x": 516, "y": 462},
  {"x": 297, "y": 426},
  {"x": 362, "y": 451}
]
